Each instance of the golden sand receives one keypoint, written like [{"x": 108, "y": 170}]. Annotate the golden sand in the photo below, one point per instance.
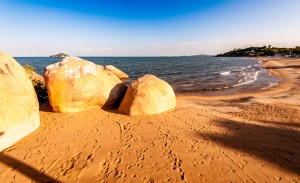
[{"x": 248, "y": 137}]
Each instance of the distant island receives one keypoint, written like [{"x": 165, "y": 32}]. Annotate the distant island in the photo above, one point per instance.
[
  {"x": 60, "y": 55},
  {"x": 263, "y": 51}
]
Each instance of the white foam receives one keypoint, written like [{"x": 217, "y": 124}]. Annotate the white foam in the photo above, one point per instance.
[
  {"x": 225, "y": 73},
  {"x": 185, "y": 85},
  {"x": 248, "y": 78},
  {"x": 270, "y": 86}
]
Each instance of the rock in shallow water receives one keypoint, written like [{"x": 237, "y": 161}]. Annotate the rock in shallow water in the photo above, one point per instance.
[
  {"x": 75, "y": 85},
  {"x": 19, "y": 109},
  {"x": 148, "y": 95}
]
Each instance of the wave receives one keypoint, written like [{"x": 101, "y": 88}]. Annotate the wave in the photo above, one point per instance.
[
  {"x": 225, "y": 73},
  {"x": 270, "y": 85},
  {"x": 249, "y": 77},
  {"x": 184, "y": 85}
]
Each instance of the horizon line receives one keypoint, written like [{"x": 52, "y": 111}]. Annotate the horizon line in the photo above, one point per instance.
[{"x": 125, "y": 56}]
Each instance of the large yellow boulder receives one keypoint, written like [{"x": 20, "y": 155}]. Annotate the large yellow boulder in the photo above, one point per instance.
[
  {"x": 19, "y": 109},
  {"x": 148, "y": 95},
  {"x": 120, "y": 74},
  {"x": 75, "y": 84}
]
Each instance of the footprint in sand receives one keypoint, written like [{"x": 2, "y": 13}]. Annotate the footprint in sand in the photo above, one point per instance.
[{"x": 117, "y": 160}]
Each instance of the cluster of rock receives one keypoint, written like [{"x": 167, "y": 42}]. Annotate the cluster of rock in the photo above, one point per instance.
[{"x": 74, "y": 85}]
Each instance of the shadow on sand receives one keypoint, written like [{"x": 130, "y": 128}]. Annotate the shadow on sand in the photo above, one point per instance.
[
  {"x": 277, "y": 145},
  {"x": 289, "y": 124},
  {"x": 45, "y": 107},
  {"x": 240, "y": 100},
  {"x": 25, "y": 169}
]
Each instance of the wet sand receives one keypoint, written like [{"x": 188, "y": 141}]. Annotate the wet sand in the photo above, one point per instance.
[{"x": 247, "y": 137}]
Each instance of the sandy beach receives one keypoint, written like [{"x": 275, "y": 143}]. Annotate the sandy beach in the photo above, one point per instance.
[{"x": 246, "y": 137}]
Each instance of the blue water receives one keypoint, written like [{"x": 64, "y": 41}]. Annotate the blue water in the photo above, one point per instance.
[{"x": 190, "y": 75}]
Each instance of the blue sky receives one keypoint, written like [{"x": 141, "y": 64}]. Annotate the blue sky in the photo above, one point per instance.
[{"x": 145, "y": 27}]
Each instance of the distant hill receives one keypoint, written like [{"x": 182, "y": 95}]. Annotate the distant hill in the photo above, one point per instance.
[
  {"x": 262, "y": 51},
  {"x": 60, "y": 55}
]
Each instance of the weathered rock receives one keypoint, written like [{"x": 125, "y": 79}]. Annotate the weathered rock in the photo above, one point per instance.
[
  {"x": 75, "y": 84},
  {"x": 120, "y": 74},
  {"x": 35, "y": 77},
  {"x": 19, "y": 109},
  {"x": 39, "y": 86},
  {"x": 148, "y": 95}
]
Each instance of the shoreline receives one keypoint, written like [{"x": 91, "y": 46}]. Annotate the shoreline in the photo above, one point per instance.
[
  {"x": 244, "y": 137},
  {"x": 280, "y": 87},
  {"x": 247, "y": 89},
  {"x": 241, "y": 78}
]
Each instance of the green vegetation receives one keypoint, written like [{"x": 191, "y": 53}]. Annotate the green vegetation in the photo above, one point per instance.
[
  {"x": 39, "y": 86},
  {"x": 263, "y": 51},
  {"x": 29, "y": 68},
  {"x": 41, "y": 91}
]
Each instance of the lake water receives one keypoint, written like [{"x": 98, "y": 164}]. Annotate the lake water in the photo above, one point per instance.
[{"x": 202, "y": 75}]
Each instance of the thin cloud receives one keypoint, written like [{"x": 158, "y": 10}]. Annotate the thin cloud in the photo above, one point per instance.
[{"x": 97, "y": 50}]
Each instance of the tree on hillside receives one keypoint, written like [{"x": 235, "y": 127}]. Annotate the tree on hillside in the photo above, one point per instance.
[
  {"x": 261, "y": 51},
  {"x": 297, "y": 50}
]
